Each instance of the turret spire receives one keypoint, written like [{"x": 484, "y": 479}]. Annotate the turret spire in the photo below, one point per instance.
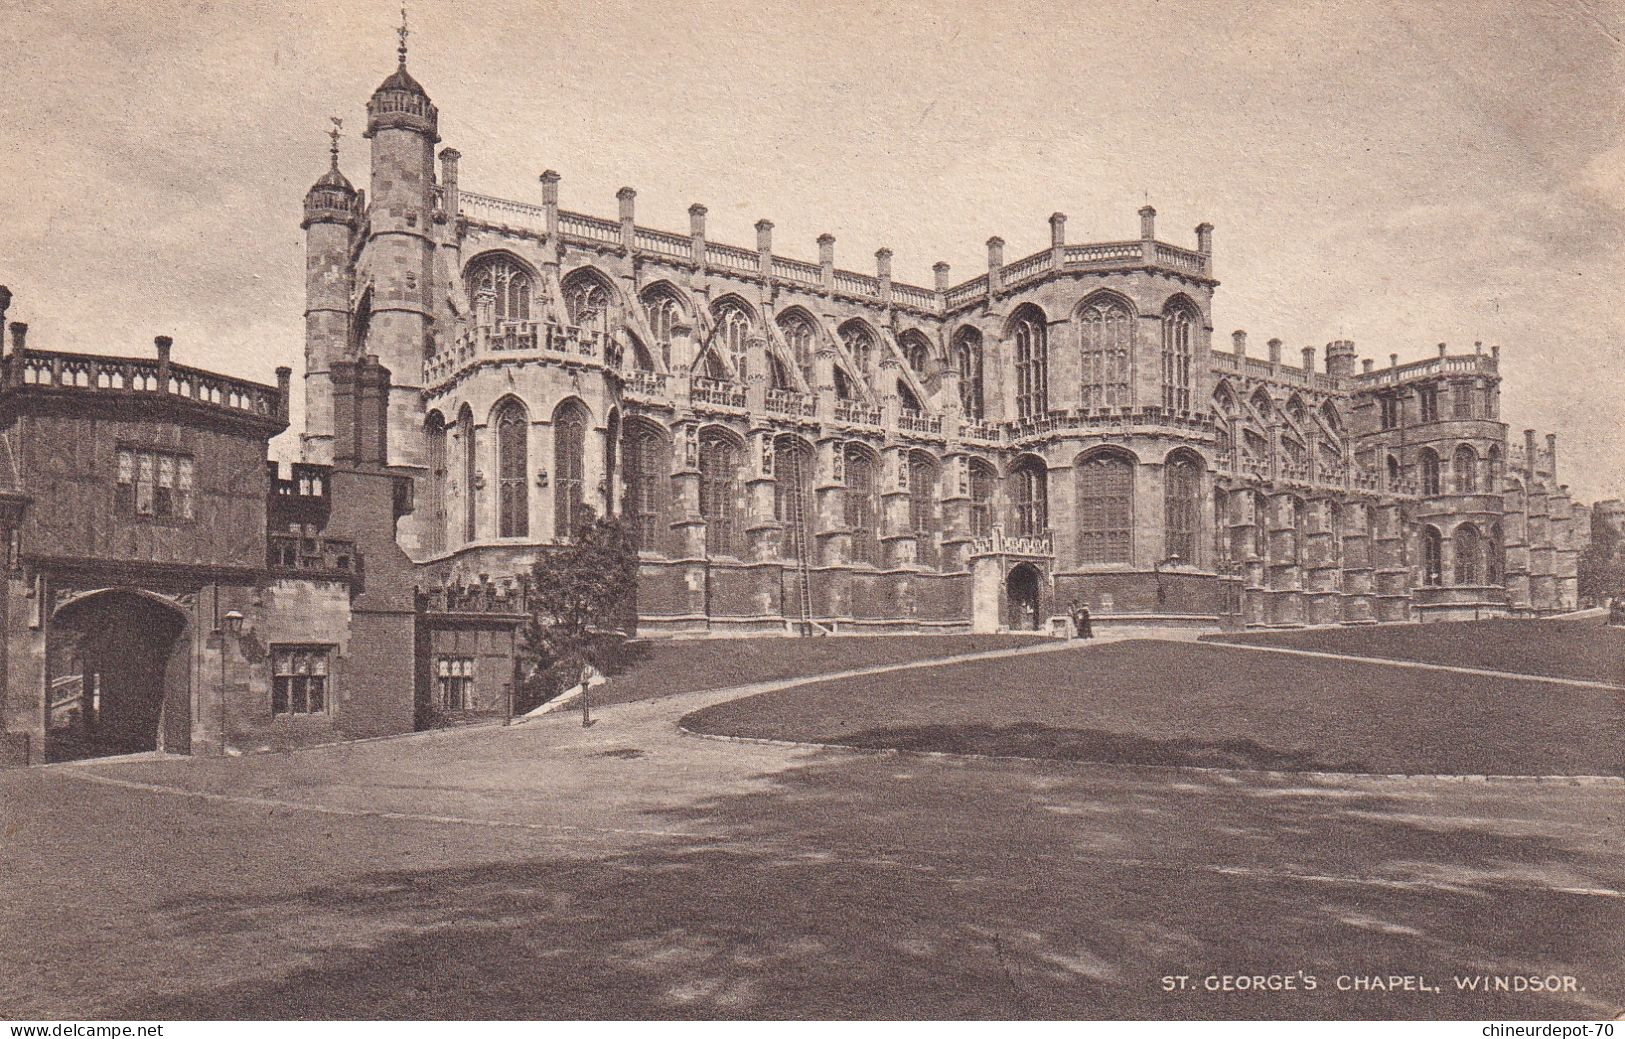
[
  {"x": 403, "y": 32},
  {"x": 338, "y": 125}
]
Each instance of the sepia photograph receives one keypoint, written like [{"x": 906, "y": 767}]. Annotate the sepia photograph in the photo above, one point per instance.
[{"x": 870, "y": 511}]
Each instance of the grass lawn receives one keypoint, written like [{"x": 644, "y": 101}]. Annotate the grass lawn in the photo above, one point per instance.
[
  {"x": 656, "y": 668},
  {"x": 1169, "y": 703},
  {"x": 1586, "y": 649}
]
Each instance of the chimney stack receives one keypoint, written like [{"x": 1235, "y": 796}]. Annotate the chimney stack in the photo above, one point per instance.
[
  {"x": 164, "y": 344},
  {"x": 19, "y": 338},
  {"x": 1275, "y": 352},
  {"x": 1238, "y": 342},
  {"x": 284, "y": 383},
  {"x": 1441, "y": 349},
  {"x": 1366, "y": 364},
  {"x": 941, "y": 269},
  {"x": 995, "y": 253},
  {"x": 1148, "y": 223},
  {"x": 1308, "y": 359},
  {"x": 764, "y": 236},
  {"x": 1529, "y": 458},
  {"x": 1057, "y": 230},
  {"x": 1393, "y": 360},
  {"x": 1551, "y": 451}
]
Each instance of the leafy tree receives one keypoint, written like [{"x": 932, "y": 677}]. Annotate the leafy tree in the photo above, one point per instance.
[
  {"x": 582, "y": 603},
  {"x": 1601, "y": 570}
]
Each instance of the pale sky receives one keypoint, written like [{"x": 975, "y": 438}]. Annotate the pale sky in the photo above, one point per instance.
[{"x": 1395, "y": 173}]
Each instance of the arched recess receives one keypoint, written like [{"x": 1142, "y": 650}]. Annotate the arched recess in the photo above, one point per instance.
[
  {"x": 118, "y": 666},
  {"x": 1493, "y": 477},
  {"x": 1106, "y": 332},
  {"x": 645, "y": 481},
  {"x": 1263, "y": 403},
  {"x": 1182, "y": 506},
  {"x": 1432, "y": 557},
  {"x": 589, "y": 300},
  {"x": 1181, "y": 326},
  {"x": 665, "y": 310},
  {"x": 470, "y": 472},
  {"x": 1395, "y": 472},
  {"x": 434, "y": 433},
  {"x": 720, "y": 454},
  {"x": 1023, "y": 590},
  {"x": 1028, "y": 486},
  {"x": 984, "y": 482},
  {"x": 861, "y": 503},
  {"x": 511, "y": 421},
  {"x": 734, "y": 327},
  {"x": 1464, "y": 469},
  {"x": 1028, "y": 332},
  {"x": 967, "y": 353},
  {"x": 1104, "y": 512},
  {"x": 923, "y": 476},
  {"x": 501, "y": 288},
  {"x": 571, "y": 422},
  {"x": 793, "y": 494},
  {"x": 1428, "y": 462},
  {"x": 1468, "y": 553},
  {"x": 1224, "y": 399},
  {"x": 1495, "y": 565}
]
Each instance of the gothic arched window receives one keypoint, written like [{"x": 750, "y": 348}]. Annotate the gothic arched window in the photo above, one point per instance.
[
  {"x": 1465, "y": 469},
  {"x": 663, "y": 313},
  {"x": 1179, "y": 324},
  {"x": 917, "y": 352},
  {"x": 1105, "y": 511},
  {"x": 860, "y": 346},
  {"x": 1030, "y": 498},
  {"x": 644, "y": 469},
  {"x": 792, "y": 495},
  {"x": 513, "y": 459},
  {"x": 1031, "y": 334},
  {"x": 733, "y": 334},
  {"x": 499, "y": 289},
  {"x": 968, "y": 359},
  {"x": 1432, "y": 557},
  {"x": 1467, "y": 552},
  {"x": 434, "y": 541},
  {"x": 862, "y": 504},
  {"x": 587, "y": 301},
  {"x": 719, "y": 491},
  {"x": 922, "y": 506},
  {"x": 1182, "y": 490},
  {"x": 1430, "y": 472},
  {"x": 801, "y": 336},
  {"x": 569, "y": 469},
  {"x": 983, "y": 480},
  {"x": 471, "y": 470},
  {"x": 1107, "y": 334}
]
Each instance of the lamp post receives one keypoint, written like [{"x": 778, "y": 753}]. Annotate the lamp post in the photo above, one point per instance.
[{"x": 234, "y": 628}]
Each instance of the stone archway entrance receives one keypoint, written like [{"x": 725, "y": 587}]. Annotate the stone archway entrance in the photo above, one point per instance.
[
  {"x": 1022, "y": 599},
  {"x": 119, "y": 674}
]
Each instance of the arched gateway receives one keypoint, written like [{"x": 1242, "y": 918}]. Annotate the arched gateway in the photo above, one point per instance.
[
  {"x": 1022, "y": 598},
  {"x": 120, "y": 676}
]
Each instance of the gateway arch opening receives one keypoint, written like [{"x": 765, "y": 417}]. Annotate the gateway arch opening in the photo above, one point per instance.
[{"x": 119, "y": 678}]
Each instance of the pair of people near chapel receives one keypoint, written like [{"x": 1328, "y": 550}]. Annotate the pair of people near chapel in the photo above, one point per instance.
[{"x": 1078, "y": 610}]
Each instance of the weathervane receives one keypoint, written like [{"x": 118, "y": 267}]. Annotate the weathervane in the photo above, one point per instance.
[
  {"x": 338, "y": 125},
  {"x": 403, "y": 32}
]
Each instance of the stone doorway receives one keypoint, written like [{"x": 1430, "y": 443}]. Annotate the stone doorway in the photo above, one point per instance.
[
  {"x": 1022, "y": 598},
  {"x": 119, "y": 677}
]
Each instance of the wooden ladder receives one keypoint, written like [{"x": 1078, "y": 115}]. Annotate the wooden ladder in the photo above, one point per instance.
[{"x": 799, "y": 544}]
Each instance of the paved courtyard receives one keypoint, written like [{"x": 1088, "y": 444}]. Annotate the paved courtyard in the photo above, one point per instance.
[{"x": 629, "y": 870}]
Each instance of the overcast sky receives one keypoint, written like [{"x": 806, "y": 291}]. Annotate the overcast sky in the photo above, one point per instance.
[{"x": 1396, "y": 173}]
